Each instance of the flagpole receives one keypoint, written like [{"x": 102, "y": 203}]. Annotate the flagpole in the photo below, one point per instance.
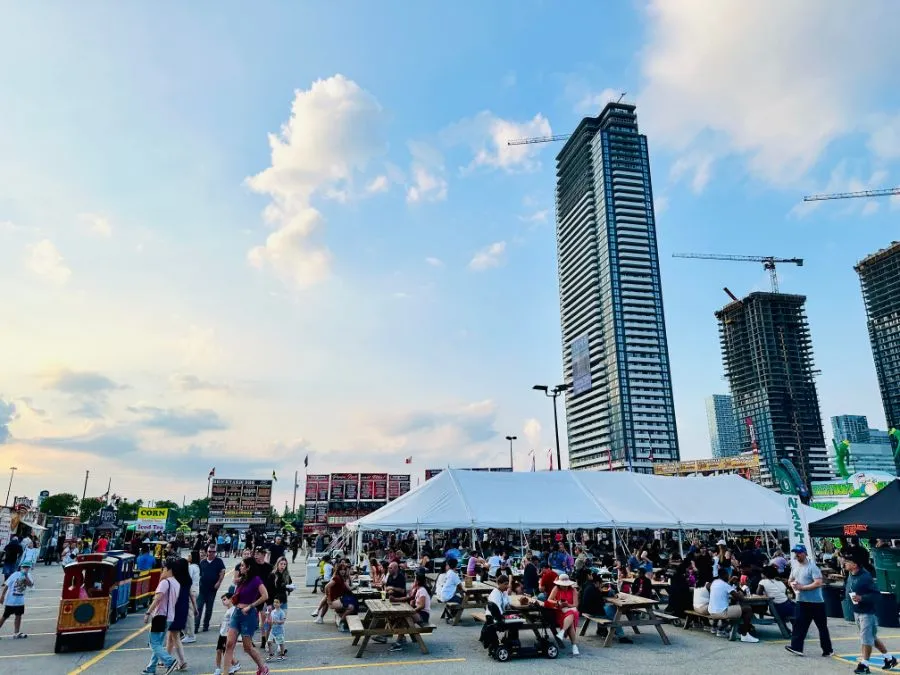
[{"x": 294, "y": 507}]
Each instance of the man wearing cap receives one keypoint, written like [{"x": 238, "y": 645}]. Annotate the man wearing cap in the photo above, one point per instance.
[
  {"x": 806, "y": 580},
  {"x": 12, "y": 596},
  {"x": 862, "y": 593}
]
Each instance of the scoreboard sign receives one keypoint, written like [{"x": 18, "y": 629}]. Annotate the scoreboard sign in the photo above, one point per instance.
[
  {"x": 398, "y": 485},
  {"x": 237, "y": 501},
  {"x": 344, "y": 487}
]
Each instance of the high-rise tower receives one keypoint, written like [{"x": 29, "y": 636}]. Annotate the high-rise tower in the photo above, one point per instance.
[
  {"x": 724, "y": 433},
  {"x": 619, "y": 409},
  {"x": 767, "y": 351}
]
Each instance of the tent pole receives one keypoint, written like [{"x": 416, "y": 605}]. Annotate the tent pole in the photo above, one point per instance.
[
  {"x": 615, "y": 543},
  {"x": 680, "y": 544}
]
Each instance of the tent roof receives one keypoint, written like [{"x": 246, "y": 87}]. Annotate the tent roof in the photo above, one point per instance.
[
  {"x": 460, "y": 499},
  {"x": 877, "y": 513}
]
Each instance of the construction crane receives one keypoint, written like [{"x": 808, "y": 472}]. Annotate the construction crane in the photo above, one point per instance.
[
  {"x": 767, "y": 261},
  {"x": 885, "y": 192},
  {"x": 549, "y": 139}
]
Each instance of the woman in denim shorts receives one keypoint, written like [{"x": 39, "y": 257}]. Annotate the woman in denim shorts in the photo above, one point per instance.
[{"x": 249, "y": 595}]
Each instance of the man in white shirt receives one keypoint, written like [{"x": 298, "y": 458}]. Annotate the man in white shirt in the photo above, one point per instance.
[
  {"x": 500, "y": 595},
  {"x": 450, "y": 591},
  {"x": 720, "y": 595},
  {"x": 494, "y": 563}
]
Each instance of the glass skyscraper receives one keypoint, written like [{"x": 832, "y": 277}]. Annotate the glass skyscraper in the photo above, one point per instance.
[
  {"x": 724, "y": 433},
  {"x": 619, "y": 408},
  {"x": 852, "y": 428}
]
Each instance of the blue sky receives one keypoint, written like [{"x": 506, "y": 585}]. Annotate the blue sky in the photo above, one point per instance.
[{"x": 233, "y": 237}]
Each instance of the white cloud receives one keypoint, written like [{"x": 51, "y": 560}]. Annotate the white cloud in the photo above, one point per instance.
[
  {"x": 592, "y": 104},
  {"x": 378, "y": 184},
  {"x": 845, "y": 179},
  {"x": 334, "y": 131},
  {"x": 489, "y": 256},
  {"x": 885, "y": 137},
  {"x": 532, "y": 433},
  {"x": 660, "y": 204},
  {"x": 434, "y": 262},
  {"x": 697, "y": 165},
  {"x": 45, "y": 261},
  {"x": 488, "y": 136},
  {"x": 427, "y": 169},
  {"x": 775, "y": 82},
  {"x": 509, "y": 80},
  {"x": 536, "y": 217},
  {"x": 96, "y": 224}
]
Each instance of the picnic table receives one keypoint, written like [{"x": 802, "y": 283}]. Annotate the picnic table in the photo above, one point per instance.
[
  {"x": 764, "y": 602},
  {"x": 625, "y": 605},
  {"x": 386, "y": 618},
  {"x": 473, "y": 597}
]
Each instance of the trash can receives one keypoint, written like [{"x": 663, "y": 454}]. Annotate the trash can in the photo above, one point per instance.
[
  {"x": 312, "y": 571},
  {"x": 833, "y": 596},
  {"x": 887, "y": 570},
  {"x": 887, "y": 609}
]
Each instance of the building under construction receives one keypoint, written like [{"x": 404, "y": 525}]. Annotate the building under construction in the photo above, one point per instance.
[
  {"x": 879, "y": 275},
  {"x": 767, "y": 354}
]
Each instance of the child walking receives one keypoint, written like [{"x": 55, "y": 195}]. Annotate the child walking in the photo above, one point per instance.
[
  {"x": 12, "y": 596},
  {"x": 275, "y": 647},
  {"x": 223, "y": 636}
]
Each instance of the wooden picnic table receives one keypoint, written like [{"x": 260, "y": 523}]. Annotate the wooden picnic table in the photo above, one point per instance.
[
  {"x": 765, "y": 602},
  {"x": 473, "y": 597},
  {"x": 625, "y": 604},
  {"x": 386, "y": 618}
]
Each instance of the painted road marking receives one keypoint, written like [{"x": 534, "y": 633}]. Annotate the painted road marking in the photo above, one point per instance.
[
  {"x": 106, "y": 652},
  {"x": 348, "y": 666}
]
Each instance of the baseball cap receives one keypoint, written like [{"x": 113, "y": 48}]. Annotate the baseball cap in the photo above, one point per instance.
[{"x": 799, "y": 548}]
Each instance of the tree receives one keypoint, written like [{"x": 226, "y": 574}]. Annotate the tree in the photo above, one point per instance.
[
  {"x": 128, "y": 510},
  {"x": 63, "y": 504},
  {"x": 199, "y": 508},
  {"x": 90, "y": 507}
]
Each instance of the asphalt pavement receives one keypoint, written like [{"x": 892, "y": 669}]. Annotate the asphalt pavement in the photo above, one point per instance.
[{"x": 313, "y": 648}]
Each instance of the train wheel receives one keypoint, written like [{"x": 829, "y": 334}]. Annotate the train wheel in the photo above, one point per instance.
[{"x": 502, "y": 654}]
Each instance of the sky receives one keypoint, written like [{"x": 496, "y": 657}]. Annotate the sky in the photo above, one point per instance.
[{"x": 236, "y": 237}]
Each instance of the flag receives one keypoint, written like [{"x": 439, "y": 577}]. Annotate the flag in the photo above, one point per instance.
[
  {"x": 306, "y": 461},
  {"x": 408, "y": 460},
  {"x": 550, "y": 457},
  {"x": 274, "y": 477},
  {"x": 531, "y": 454},
  {"x": 212, "y": 473}
]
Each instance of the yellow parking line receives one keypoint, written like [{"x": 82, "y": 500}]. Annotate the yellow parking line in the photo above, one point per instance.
[
  {"x": 106, "y": 652},
  {"x": 835, "y": 639},
  {"x": 22, "y": 656}
]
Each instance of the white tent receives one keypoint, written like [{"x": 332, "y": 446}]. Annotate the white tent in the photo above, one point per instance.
[{"x": 460, "y": 499}]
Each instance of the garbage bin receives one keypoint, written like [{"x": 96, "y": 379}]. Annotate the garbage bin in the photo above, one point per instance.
[
  {"x": 833, "y": 596},
  {"x": 887, "y": 570},
  {"x": 312, "y": 571},
  {"x": 887, "y": 609}
]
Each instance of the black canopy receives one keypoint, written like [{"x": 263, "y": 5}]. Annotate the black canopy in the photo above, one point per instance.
[{"x": 876, "y": 517}]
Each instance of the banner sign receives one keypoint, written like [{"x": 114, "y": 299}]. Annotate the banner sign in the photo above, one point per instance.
[
  {"x": 373, "y": 486},
  {"x": 240, "y": 501},
  {"x": 344, "y": 487},
  {"x": 799, "y": 527},
  {"x": 152, "y": 520},
  {"x": 398, "y": 485},
  {"x": 317, "y": 487}
]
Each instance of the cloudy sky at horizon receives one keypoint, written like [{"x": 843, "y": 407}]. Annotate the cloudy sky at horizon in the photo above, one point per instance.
[{"x": 233, "y": 238}]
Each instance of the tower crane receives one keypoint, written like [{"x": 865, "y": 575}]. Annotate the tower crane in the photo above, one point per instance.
[
  {"x": 549, "y": 139},
  {"x": 884, "y": 192},
  {"x": 768, "y": 262}
]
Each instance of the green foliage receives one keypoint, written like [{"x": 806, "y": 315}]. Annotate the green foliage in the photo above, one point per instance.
[
  {"x": 62, "y": 504},
  {"x": 90, "y": 507},
  {"x": 199, "y": 508},
  {"x": 128, "y": 510}
]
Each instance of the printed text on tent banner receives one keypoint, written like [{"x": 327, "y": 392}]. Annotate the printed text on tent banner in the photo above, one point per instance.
[{"x": 799, "y": 526}]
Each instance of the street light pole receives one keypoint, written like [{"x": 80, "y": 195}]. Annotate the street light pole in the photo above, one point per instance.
[
  {"x": 554, "y": 393},
  {"x": 12, "y": 472},
  {"x": 511, "y": 439}
]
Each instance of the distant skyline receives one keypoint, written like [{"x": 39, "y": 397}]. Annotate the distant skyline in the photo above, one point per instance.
[{"x": 235, "y": 238}]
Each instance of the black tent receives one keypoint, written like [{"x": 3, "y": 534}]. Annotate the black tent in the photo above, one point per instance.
[{"x": 876, "y": 517}]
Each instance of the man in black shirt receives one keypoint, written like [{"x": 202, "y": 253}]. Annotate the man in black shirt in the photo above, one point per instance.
[
  {"x": 395, "y": 583},
  {"x": 262, "y": 569},
  {"x": 212, "y": 571},
  {"x": 276, "y": 550},
  {"x": 593, "y": 602}
]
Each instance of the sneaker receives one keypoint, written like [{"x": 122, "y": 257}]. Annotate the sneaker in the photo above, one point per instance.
[
  {"x": 749, "y": 638},
  {"x": 269, "y": 657},
  {"x": 314, "y": 614},
  {"x": 796, "y": 652},
  {"x": 205, "y": 629},
  {"x": 281, "y": 657},
  {"x": 830, "y": 652},
  {"x": 889, "y": 663},
  {"x": 236, "y": 667},
  {"x": 560, "y": 634},
  {"x": 319, "y": 620},
  {"x": 217, "y": 671},
  {"x": 189, "y": 639},
  {"x": 148, "y": 671},
  {"x": 171, "y": 668},
  {"x": 626, "y": 641},
  {"x": 575, "y": 651},
  {"x": 713, "y": 630},
  {"x": 862, "y": 668},
  {"x": 397, "y": 647},
  {"x": 723, "y": 633},
  {"x": 343, "y": 628}
]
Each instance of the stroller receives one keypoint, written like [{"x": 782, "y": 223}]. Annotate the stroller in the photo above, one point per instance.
[{"x": 500, "y": 635}]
